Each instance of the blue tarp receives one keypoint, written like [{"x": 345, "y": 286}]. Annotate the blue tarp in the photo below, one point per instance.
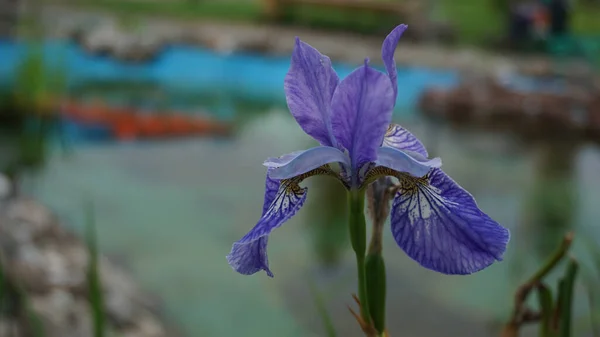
[{"x": 191, "y": 68}]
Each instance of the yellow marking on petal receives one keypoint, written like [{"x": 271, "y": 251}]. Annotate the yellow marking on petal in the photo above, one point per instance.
[
  {"x": 390, "y": 130},
  {"x": 292, "y": 184},
  {"x": 411, "y": 185}
]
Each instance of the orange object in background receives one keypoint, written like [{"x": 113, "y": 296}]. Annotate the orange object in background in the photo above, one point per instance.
[
  {"x": 127, "y": 123},
  {"x": 152, "y": 126},
  {"x": 178, "y": 125},
  {"x": 199, "y": 126}
]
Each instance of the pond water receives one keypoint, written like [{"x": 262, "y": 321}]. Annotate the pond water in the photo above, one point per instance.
[{"x": 172, "y": 209}]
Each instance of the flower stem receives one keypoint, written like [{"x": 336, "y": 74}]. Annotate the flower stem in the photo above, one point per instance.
[{"x": 358, "y": 238}]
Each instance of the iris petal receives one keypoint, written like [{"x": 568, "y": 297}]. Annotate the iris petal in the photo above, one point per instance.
[
  {"x": 309, "y": 86},
  {"x": 387, "y": 54},
  {"x": 404, "y": 161},
  {"x": 300, "y": 162},
  {"x": 438, "y": 224},
  {"x": 361, "y": 111},
  {"x": 271, "y": 188},
  {"x": 401, "y": 139},
  {"x": 249, "y": 254}
]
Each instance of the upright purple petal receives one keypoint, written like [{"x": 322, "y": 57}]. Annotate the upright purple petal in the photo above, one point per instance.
[
  {"x": 387, "y": 54},
  {"x": 295, "y": 164},
  {"x": 249, "y": 254},
  {"x": 361, "y": 111},
  {"x": 401, "y": 139},
  {"x": 438, "y": 224},
  {"x": 309, "y": 87}
]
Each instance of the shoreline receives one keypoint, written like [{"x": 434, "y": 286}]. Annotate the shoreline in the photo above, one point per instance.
[{"x": 150, "y": 34}]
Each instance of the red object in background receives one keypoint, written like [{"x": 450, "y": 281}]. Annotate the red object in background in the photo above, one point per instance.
[
  {"x": 541, "y": 18},
  {"x": 125, "y": 127}
]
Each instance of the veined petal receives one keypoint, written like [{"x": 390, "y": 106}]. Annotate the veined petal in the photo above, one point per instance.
[
  {"x": 309, "y": 87},
  {"x": 404, "y": 161},
  {"x": 271, "y": 188},
  {"x": 361, "y": 111},
  {"x": 295, "y": 164},
  {"x": 401, "y": 139},
  {"x": 249, "y": 254},
  {"x": 438, "y": 224},
  {"x": 387, "y": 54}
]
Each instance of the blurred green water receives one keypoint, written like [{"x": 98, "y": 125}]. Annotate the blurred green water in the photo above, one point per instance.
[{"x": 172, "y": 209}]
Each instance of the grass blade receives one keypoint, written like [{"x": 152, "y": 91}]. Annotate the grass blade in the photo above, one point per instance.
[
  {"x": 95, "y": 287},
  {"x": 320, "y": 303},
  {"x": 565, "y": 294}
]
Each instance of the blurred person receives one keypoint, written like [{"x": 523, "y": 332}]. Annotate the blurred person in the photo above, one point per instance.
[
  {"x": 521, "y": 22},
  {"x": 559, "y": 11}
]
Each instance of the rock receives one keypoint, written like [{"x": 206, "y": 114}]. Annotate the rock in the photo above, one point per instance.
[
  {"x": 31, "y": 215},
  {"x": 49, "y": 264},
  {"x": 59, "y": 310},
  {"x": 485, "y": 100},
  {"x": 6, "y": 187},
  {"x": 106, "y": 38}
]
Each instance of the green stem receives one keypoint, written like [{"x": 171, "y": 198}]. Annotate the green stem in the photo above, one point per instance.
[
  {"x": 553, "y": 260},
  {"x": 358, "y": 238}
]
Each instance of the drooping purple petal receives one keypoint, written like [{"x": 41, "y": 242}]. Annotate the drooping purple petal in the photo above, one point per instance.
[
  {"x": 438, "y": 224},
  {"x": 387, "y": 54},
  {"x": 401, "y": 161},
  {"x": 249, "y": 254},
  {"x": 401, "y": 139},
  {"x": 309, "y": 86},
  {"x": 249, "y": 258},
  {"x": 361, "y": 111},
  {"x": 295, "y": 164}
]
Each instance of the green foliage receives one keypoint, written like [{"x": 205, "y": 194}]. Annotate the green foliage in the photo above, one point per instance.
[
  {"x": 37, "y": 83},
  {"x": 28, "y": 107},
  {"x": 554, "y": 313},
  {"x": 230, "y": 10}
]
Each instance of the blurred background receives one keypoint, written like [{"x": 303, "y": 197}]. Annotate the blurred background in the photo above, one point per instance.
[{"x": 141, "y": 126}]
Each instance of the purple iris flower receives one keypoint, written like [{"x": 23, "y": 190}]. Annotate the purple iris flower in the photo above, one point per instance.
[{"x": 433, "y": 219}]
